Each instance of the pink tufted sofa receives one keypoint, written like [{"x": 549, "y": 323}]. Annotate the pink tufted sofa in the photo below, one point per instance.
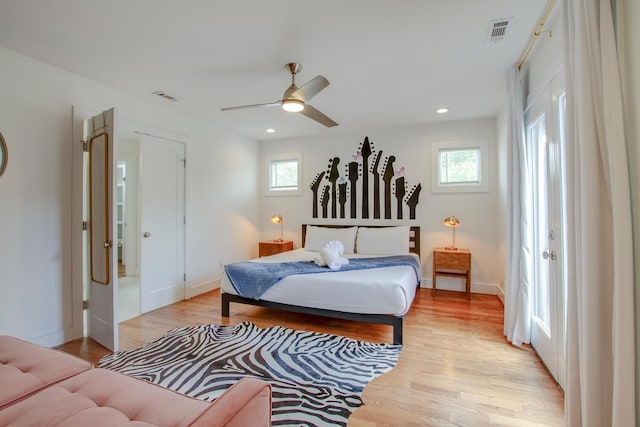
[{"x": 41, "y": 386}]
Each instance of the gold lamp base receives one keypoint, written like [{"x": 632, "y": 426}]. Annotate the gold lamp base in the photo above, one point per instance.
[{"x": 451, "y": 248}]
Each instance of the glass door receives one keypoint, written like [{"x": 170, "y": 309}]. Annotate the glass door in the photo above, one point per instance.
[{"x": 544, "y": 121}]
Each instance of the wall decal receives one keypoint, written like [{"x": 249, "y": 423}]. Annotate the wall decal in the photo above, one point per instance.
[
  {"x": 387, "y": 175},
  {"x": 412, "y": 200},
  {"x": 353, "y": 178},
  {"x": 332, "y": 176},
  {"x": 315, "y": 185},
  {"x": 342, "y": 194},
  {"x": 376, "y": 185},
  {"x": 400, "y": 190},
  {"x": 324, "y": 201},
  {"x": 388, "y": 183},
  {"x": 365, "y": 149}
]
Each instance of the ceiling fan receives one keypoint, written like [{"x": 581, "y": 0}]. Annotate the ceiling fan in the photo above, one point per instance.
[{"x": 295, "y": 98}]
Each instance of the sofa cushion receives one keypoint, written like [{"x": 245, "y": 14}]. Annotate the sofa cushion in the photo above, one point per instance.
[
  {"x": 26, "y": 368},
  {"x": 101, "y": 397}
]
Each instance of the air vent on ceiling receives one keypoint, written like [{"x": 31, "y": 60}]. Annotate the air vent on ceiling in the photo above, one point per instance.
[
  {"x": 165, "y": 95},
  {"x": 498, "y": 29}
]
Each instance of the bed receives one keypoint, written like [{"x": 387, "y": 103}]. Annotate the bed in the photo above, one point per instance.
[{"x": 389, "y": 290}]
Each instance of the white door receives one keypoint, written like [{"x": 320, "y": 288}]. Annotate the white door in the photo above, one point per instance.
[
  {"x": 544, "y": 132},
  {"x": 162, "y": 222},
  {"x": 101, "y": 226}
]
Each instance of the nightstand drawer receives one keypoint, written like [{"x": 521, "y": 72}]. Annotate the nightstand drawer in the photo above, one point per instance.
[
  {"x": 274, "y": 247},
  {"x": 453, "y": 260}
]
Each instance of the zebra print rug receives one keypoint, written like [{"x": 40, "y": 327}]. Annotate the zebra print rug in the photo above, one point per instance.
[{"x": 317, "y": 379}]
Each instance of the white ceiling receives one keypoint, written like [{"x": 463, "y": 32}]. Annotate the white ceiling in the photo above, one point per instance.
[{"x": 390, "y": 63}]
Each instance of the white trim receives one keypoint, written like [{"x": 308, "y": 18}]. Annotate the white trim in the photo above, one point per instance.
[
  {"x": 200, "y": 288},
  {"x": 280, "y": 158}
]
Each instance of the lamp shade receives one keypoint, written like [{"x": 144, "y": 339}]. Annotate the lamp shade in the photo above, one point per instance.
[
  {"x": 451, "y": 221},
  {"x": 276, "y": 219}
]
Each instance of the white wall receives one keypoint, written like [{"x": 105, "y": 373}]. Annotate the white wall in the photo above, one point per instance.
[
  {"x": 35, "y": 192},
  {"x": 411, "y": 146}
]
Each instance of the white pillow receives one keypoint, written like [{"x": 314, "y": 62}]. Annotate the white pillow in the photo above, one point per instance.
[
  {"x": 318, "y": 237},
  {"x": 383, "y": 241}
]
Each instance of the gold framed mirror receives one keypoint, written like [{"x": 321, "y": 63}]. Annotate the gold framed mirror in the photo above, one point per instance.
[
  {"x": 4, "y": 155},
  {"x": 99, "y": 229}
]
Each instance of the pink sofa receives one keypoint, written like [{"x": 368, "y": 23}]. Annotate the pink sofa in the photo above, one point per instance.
[{"x": 41, "y": 386}]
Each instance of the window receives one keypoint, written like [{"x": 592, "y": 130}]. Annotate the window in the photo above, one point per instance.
[
  {"x": 285, "y": 175},
  {"x": 459, "y": 166}
]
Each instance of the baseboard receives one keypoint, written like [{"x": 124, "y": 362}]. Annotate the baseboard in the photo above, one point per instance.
[
  {"x": 454, "y": 284},
  {"x": 201, "y": 288},
  {"x": 53, "y": 339}
]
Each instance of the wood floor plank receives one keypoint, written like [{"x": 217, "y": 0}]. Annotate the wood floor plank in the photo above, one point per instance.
[{"x": 456, "y": 367}]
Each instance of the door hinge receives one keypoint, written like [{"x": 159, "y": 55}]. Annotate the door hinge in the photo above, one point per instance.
[
  {"x": 184, "y": 277},
  {"x": 85, "y": 304},
  {"x": 85, "y": 146},
  {"x": 85, "y": 225},
  {"x": 184, "y": 163}
]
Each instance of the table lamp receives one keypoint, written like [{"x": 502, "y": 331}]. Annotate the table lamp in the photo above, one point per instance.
[
  {"x": 277, "y": 219},
  {"x": 452, "y": 221}
]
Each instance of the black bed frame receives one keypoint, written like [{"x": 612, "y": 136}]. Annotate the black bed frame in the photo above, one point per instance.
[{"x": 383, "y": 319}]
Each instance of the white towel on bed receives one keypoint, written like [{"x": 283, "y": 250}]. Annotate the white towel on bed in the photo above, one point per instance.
[
  {"x": 331, "y": 255},
  {"x": 336, "y": 246}
]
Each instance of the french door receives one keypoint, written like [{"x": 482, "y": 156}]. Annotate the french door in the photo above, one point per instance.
[{"x": 544, "y": 123}]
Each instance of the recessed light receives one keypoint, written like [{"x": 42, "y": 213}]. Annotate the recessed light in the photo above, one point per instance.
[
  {"x": 270, "y": 130},
  {"x": 442, "y": 110}
]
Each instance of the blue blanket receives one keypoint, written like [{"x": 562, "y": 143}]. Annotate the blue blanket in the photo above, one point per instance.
[{"x": 253, "y": 279}]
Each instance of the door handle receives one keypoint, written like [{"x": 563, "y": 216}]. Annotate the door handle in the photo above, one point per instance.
[
  {"x": 549, "y": 255},
  {"x": 146, "y": 234}
]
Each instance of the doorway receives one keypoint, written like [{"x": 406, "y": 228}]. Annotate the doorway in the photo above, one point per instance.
[
  {"x": 150, "y": 223},
  {"x": 126, "y": 214},
  {"x": 107, "y": 206}
]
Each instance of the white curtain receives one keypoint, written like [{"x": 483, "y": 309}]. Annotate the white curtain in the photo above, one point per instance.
[
  {"x": 600, "y": 296},
  {"x": 518, "y": 268}
]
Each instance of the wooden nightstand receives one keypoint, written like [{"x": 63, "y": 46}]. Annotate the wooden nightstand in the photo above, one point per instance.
[
  {"x": 452, "y": 263},
  {"x": 272, "y": 247}
]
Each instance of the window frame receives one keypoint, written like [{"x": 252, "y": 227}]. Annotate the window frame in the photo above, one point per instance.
[
  {"x": 480, "y": 144},
  {"x": 276, "y": 158}
]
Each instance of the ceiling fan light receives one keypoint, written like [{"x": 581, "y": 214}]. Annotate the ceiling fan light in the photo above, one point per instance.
[{"x": 293, "y": 105}]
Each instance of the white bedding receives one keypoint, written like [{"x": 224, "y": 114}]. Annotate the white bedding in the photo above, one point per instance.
[{"x": 388, "y": 290}]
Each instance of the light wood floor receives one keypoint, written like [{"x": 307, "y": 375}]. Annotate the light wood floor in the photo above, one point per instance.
[{"x": 456, "y": 368}]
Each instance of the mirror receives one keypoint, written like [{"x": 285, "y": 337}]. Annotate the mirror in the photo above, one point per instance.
[
  {"x": 4, "y": 155},
  {"x": 99, "y": 231}
]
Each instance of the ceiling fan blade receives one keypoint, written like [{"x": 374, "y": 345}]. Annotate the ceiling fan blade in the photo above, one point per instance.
[
  {"x": 310, "y": 89},
  {"x": 316, "y": 115},
  {"x": 241, "y": 107}
]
